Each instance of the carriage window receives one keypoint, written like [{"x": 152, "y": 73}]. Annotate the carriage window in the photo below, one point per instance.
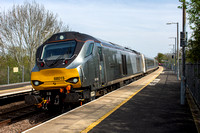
[{"x": 89, "y": 50}]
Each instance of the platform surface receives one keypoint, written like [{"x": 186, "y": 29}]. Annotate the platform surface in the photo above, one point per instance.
[
  {"x": 14, "y": 85},
  {"x": 81, "y": 118},
  {"x": 12, "y": 89},
  {"x": 148, "y": 105},
  {"x": 155, "y": 109}
]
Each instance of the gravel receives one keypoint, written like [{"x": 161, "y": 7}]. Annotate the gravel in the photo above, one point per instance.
[
  {"x": 12, "y": 106},
  {"x": 23, "y": 123}
]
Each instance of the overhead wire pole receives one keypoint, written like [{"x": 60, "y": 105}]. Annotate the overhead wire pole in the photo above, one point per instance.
[{"x": 183, "y": 44}]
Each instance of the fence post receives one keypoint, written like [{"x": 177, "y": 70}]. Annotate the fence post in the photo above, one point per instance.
[
  {"x": 22, "y": 73},
  {"x": 8, "y": 75}
]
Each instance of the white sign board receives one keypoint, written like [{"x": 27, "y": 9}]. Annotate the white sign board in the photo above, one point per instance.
[{"x": 15, "y": 69}]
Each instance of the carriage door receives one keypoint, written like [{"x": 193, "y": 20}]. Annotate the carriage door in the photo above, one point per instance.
[
  {"x": 124, "y": 65},
  {"x": 101, "y": 67}
]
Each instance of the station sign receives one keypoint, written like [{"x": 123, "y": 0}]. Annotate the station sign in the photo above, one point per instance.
[{"x": 15, "y": 69}]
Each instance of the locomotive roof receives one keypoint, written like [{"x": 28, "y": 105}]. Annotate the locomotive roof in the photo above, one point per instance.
[
  {"x": 84, "y": 37},
  {"x": 70, "y": 36}
]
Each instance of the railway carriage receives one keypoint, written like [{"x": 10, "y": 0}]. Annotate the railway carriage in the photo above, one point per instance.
[{"x": 74, "y": 67}]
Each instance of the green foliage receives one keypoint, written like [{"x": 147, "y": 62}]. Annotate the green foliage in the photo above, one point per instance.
[
  {"x": 193, "y": 51},
  {"x": 186, "y": 3},
  {"x": 8, "y": 60},
  {"x": 160, "y": 57},
  {"x": 193, "y": 10},
  {"x": 166, "y": 60}
]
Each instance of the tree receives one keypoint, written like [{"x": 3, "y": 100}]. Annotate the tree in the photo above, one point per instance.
[
  {"x": 160, "y": 57},
  {"x": 24, "y": 28},
  {"x": 193, "y": 10}
]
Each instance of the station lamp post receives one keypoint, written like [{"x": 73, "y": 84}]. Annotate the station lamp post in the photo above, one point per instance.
[
  {"x": 175, "y": 56},
  {"x": 177, "y": 53}
]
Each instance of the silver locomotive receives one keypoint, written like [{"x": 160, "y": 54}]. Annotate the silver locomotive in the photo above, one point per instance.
[{"x": 75, "y": 67}]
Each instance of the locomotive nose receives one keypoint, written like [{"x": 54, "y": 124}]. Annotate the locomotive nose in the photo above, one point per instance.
[{"x": 55, "y": 78}]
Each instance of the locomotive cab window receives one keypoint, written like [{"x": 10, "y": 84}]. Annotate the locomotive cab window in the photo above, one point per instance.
[
  {"x": 89, "y": 50},
  {"x": 60, "y": 50}
]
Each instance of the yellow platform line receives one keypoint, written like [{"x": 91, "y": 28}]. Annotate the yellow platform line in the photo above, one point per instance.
[{"x": 90, "y": 127}]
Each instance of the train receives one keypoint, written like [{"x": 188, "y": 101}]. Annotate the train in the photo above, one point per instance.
[{"x": 73, "y": 67}]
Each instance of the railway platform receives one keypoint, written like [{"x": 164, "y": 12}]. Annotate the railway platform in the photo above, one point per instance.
[
  {"x": 15, "y": 89},
  {"x": 148, "y": 105}
]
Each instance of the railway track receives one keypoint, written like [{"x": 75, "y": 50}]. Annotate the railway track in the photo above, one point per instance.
[{"x": 15, "y": 114}]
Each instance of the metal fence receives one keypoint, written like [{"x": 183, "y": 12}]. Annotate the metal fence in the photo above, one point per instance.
[
  {"x": 16, "y": 74},
  {"x": 193, "y": 80}
]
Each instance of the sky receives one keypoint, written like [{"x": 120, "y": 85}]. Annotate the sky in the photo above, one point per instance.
[{"x": 137, "y": 24}]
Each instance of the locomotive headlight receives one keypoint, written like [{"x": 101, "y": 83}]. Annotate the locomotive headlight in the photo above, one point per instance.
[
  {"x": 36, "y": 82},
  {"x": 73, "y": 80}
]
